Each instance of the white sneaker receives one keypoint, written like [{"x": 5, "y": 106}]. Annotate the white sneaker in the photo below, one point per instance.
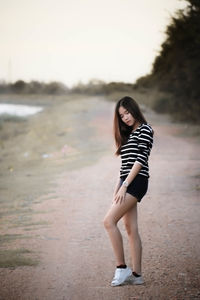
[
  {"x": 121, "y": 275},
  {"x": 135, "y": 280}
]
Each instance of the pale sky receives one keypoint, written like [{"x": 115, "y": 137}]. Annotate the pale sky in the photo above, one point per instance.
[{"x": 79, "y": 40}]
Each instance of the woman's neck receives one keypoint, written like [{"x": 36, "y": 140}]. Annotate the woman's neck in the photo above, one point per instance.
[{"x": 136, "y": 125}]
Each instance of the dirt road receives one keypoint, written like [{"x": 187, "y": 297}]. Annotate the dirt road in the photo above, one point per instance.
[{"x": 66, "y": 194}]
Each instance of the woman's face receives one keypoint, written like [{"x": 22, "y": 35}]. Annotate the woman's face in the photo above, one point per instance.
[{"x": 126, "y": 116}]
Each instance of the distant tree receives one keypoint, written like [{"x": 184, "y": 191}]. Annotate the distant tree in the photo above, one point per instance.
[
  {"x": 4, "y": 87},
  {"x": 144, "y": 82},
  {"x": 99, "y": 87},
  {"x": 35, "y": 87},
  {"x": 55, "y": 87},
  {"x": 19, "y": 86}
]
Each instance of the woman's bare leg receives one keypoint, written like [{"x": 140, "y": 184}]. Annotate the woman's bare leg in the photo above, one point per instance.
[
  {"x": 115, "y": 213},
  {"x": 131, "y": 224}
]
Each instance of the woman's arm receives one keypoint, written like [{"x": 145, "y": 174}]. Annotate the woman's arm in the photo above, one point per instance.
[
  {"x": 120, "y": 193},
  {"x": 133, "y": 173},
  {"x": 117, "y": 186}
]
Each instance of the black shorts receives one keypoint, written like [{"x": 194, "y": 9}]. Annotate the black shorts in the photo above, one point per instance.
[{"x": 138, "y": 187}]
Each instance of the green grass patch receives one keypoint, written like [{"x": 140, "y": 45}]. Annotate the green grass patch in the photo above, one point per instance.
[
  {"x": 12, "y": 118},
  {"x": 33, "y": 228},
  {"x": 16, "y": 258},
  {"x": 36, "y": 223},
  {"x": 27, "y": 223},
  {"x": 11, "y": 237},
  {"x": 8, "y": 211}
]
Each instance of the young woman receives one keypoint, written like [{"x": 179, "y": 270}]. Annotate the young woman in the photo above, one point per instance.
[{"x": 134, "y": 139}]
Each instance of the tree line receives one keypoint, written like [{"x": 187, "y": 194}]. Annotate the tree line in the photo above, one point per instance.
[
  {"x": 176, "y": 69},
  {"x": 33, "y": 87},
  {"x": 93, "y": 87}
]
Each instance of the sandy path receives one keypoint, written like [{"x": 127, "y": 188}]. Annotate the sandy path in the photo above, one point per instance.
[{"x": 76, "y": 260}]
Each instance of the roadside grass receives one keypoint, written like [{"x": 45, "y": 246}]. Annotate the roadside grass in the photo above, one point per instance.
[
  {"x": 197, "y": 186},
  {"x": 12, "y": 258},
  {"x": 12, "y": 118},
  {"x": 6, "y": 119},
  {"x": 4, "y": 238},
  {"x": 28, "y": 223},
  {"x": 17, "y": 201},
  {"x": 17, "y": 257},
  {"x": 9, "y": 210}
]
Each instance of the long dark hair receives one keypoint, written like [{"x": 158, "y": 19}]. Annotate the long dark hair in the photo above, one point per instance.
[{"x": 121, "y": 130}]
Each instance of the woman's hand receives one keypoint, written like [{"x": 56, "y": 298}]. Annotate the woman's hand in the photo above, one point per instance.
[{"x": 120, "y": 195}]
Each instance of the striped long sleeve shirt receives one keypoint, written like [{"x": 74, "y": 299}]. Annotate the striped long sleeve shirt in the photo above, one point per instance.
[{"x": 137, "y": 148}]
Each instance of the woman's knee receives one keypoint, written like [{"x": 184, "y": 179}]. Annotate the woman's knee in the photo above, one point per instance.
[{"x": 108, "y": 222}]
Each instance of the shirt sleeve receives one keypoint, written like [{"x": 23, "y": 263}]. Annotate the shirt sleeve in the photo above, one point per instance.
[{"x": 145, "y": 142}]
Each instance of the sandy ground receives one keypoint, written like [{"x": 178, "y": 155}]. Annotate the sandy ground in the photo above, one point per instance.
[{"x": 56, "y": 179}]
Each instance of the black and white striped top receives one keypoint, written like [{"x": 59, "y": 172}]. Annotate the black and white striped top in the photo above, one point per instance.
[{"x": 137, "y": 148}]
